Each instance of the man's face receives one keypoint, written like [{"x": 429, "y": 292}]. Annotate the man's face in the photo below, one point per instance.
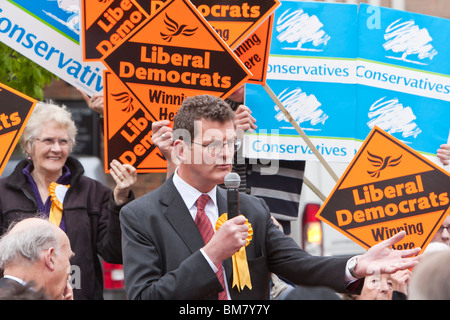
[
  {"x": 443, "y": 234},
  {"x": 208, "y": 158},
  {"x": 61, "y": 273}
]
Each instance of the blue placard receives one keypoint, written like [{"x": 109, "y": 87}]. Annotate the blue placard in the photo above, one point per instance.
[
  {"x": 403, "y": 76},
  {"x": 309, "y": 29},
  {"x": 311, "y": 70},
  {"x": 340, "y": 71}
]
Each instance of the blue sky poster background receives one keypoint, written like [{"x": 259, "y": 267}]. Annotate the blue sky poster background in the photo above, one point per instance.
[
  {"x": 62, "y": 15},
  {"x": 339, "y": 111},
  {"x": 431, "y": 115},
  {"x": 421, "y": 33},
  {"x": 340, "y": 24},
  {"x": 336, "y": 25},
  {"x": 371, "y": 40}
]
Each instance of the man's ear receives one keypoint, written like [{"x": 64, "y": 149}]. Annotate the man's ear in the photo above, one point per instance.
[
  {"x": 181, "y": 150},
  {"x": 49, "y": 258}
]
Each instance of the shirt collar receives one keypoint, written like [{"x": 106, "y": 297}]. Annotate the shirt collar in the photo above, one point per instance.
[
  {"x": 15, "y": 279},
  {"x": 188, "y": 193}
]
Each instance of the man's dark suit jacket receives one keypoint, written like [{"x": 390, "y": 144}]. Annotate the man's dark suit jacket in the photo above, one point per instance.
[
  {"x": 162, "y": 260},
  {"x": 12, "y": 290},
  {"x": 8, "y": 283}
]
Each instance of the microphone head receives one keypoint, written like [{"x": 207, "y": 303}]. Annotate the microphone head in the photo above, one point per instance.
[{"x": 232, "y": 180}]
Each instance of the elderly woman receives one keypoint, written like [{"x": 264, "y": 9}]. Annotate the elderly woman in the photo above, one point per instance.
[{"x": 50, "y": 181}]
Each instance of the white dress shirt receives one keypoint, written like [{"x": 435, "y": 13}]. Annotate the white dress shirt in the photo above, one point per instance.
[{"x": 190, "y": 195}]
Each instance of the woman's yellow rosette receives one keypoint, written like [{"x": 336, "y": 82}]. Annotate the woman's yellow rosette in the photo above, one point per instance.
[
  {"x": 241, "y": 274},
  {"x": 57, "y": 194}
]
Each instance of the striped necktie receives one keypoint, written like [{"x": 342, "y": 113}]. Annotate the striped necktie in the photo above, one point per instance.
[{"x": 207, "y": 231}]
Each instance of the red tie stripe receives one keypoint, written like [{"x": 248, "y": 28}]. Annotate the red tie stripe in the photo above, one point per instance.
[{"x": 206, "y": 230}]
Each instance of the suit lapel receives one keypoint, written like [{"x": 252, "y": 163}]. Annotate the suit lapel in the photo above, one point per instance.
[{"x": 179, "y": 217}]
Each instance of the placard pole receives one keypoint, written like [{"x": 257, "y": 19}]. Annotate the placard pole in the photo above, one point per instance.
[
  {"x": 314, "y": 189},
  {"x": 300, "y": 132}
]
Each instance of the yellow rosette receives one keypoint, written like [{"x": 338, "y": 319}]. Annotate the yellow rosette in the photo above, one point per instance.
[
  {"x": 241, "y": 274},
  {"x": 57, "y": 194}
]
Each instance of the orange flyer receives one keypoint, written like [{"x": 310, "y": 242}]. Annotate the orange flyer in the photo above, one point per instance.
[{"x": 388, "y": 188}]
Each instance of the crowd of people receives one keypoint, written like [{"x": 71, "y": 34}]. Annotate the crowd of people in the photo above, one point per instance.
[
  {"x": 54, "y": 219},
  {"x": 50, "y": 182}
]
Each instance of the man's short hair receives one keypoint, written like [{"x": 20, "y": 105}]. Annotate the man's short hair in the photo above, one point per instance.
[
  {"x": 26, "y": 244},
  {"x": 200, "y": 107}
]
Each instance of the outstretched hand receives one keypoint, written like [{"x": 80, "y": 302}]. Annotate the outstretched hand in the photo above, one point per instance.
[
  {"x": 162, "y": 137},
  {"x": 381, "y": 258}
]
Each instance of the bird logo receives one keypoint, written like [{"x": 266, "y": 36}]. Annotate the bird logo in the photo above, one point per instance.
[
  {"x": 381, "y": 163},
  {"x": 175, "y": 29},
  {"x": 126, "y": 99}
]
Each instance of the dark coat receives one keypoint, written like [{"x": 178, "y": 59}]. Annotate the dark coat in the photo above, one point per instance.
[
  {"x": 162, "y": 259},
  {"x": 91, "y": 218}
]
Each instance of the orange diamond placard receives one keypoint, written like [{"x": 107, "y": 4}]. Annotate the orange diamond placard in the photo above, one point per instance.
[
  {"x": 128, "y": 130},
  {"x": 173, "y": 55},
  {"x": 388, "y": 188},
  {"x": 15, "y": 109}
]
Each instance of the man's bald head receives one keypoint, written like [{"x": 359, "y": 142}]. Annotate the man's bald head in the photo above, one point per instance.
[{"x": 26, "y": 239}]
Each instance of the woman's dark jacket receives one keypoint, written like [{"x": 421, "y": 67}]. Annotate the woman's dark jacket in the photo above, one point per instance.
[{"x": 91, "y": 218}]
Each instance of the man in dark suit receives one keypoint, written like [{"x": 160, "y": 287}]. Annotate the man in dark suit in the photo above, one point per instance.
[
  {"x": 35, "y": 260},
  {"x": 166, "y": 254}
]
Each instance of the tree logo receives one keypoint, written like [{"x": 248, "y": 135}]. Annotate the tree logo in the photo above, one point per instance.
[
  {"x": 303, "y": 30},
  {"x": 393, "y": 117},
  {"x": 303, "y": 107},
  {"x": 409, "y": 40}
]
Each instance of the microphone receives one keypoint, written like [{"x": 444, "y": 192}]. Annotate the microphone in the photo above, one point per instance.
[{"x": 232, "y": 182}]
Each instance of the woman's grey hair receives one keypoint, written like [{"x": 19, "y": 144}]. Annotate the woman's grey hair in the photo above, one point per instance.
[
  {"x": 43, "y": 114},
  {"x": 26, "y": 244}
]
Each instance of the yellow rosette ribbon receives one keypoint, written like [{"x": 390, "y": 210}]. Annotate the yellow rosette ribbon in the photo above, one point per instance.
[
  {"x": 57, "y": 194},
  {"x": 241, "y": 274}
]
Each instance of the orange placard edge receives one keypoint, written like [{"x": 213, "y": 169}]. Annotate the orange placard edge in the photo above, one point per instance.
[
  {"x": 262, "y": 81},
  {"x": 83, "y": 29},
  {"x": 19, "y": 132},
  {"x": 250, "y": 30}
]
